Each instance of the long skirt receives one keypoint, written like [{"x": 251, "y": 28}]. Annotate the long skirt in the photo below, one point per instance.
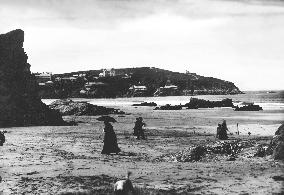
[{"x": 110, "y": 144}]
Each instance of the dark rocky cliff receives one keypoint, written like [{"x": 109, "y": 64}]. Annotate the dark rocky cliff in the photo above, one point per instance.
[{"x": 19, "y": 102}]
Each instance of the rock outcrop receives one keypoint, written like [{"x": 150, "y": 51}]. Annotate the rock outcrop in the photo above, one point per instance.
[
  {"x": 169, "y": 107},
  {"x": 228, "y": 149},
  {"x": 277, "y": 144},
  {"x": 145, "y": 104},
  {"x": 19, "y": 101},
  {"x": 196, "y": 103},
  {"x": 69, "y": 107},
  {"x": 250, "y": 107},
  {"x": 280, "y": 130}
]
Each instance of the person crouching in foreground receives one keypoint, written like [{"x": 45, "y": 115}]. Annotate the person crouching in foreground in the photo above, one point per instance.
[
  {"x": 110, "y": 140},
  {"x": 124, "y": 187}
]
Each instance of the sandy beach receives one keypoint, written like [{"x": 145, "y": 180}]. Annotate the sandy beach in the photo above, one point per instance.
[{"x": 54, "y": 160}]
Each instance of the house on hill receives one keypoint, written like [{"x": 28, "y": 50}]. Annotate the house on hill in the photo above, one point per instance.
[
  {"x": 168, "y": 90},
  {"x": 43, "y": 77},
  {"x": 94, "y": 89},
  {"x": 93, "y": 85},
  {"x": 107, "y": 72},
  {"x": 137, "y": 91}
]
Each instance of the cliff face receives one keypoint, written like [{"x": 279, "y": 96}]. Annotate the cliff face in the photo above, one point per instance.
[{"x": 19, "y": 102}]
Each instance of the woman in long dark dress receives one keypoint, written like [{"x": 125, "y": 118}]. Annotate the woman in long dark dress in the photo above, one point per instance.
[
  {"x": 110, "y": 140},
  {"x": 140, "y": 131},
  {"x": 2, "y": 138},
  {"x": 223, "y": 134},
  {"x": 136, "y": 127},
  {"x": 219, "y": 129}
]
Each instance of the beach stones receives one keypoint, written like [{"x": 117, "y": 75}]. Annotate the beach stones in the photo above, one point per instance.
[
  {"x": 192, "y": 154},
  {"x": 19, "y": 101},
  {"x": 227, "y": 149}
]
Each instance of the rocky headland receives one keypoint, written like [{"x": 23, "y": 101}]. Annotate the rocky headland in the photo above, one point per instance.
[
  {"x": 132, "y": 82},
  {"x": 20, "y": 104}
]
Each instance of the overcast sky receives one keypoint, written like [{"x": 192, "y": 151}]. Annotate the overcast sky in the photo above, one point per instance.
[{"x": 240, "y": 41}]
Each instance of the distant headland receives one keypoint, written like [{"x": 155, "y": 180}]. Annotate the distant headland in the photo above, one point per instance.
[{"x": 129, "y": 82}]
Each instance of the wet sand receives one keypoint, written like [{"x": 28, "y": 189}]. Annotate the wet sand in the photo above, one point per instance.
[{"x": 52, "y": 160}]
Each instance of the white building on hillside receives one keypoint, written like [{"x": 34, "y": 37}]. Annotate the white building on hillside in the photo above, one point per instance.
[{"x": 107, "y": 72}]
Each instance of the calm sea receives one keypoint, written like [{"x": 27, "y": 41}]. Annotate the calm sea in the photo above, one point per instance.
[{"x": 268, "y": 100}]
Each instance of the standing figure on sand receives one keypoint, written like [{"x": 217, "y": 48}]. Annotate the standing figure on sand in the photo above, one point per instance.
[
  {"x": 222, "y": 131},
  {"x": 2, "y": 137},
  {"x": 138, "y": 128},
  {"x": 110, "y": 140},
  {"x": 218, "y": 130}
]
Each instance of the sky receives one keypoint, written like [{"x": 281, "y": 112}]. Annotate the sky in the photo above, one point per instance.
[{"x": 241, "y": 41}]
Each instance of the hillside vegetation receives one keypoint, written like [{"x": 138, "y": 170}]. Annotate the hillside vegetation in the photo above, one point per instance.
[{"x": 119, "y": 84}]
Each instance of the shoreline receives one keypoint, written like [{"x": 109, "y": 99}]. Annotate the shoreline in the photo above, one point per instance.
[{"x": 273, "y": 106}]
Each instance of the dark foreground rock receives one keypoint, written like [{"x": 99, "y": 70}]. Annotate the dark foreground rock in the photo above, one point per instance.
[
  {"x": 280, "y": 130},
  {"x": 200, "y": 103},
  {"x": 69, "y": 107},
  {"x": 277, "y": 144},
  {"x": 250, "y": 107},
  {"x": 19, "y": 101}
]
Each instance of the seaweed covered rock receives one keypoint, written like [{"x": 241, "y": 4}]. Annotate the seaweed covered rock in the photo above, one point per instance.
[
  {"x": 69, "y": 107},
  {"x": 263, "y": 150},
  {"x": 250, "y": 107},
  {"x": 146, "y": 104},
  {"x": 19, "y": 101},
  {"x": 192, "y": 154},
  {"x": 169, "y": 107},
  {"x": 228, "y": 149},
  {"x": 196, "y": 103}
]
